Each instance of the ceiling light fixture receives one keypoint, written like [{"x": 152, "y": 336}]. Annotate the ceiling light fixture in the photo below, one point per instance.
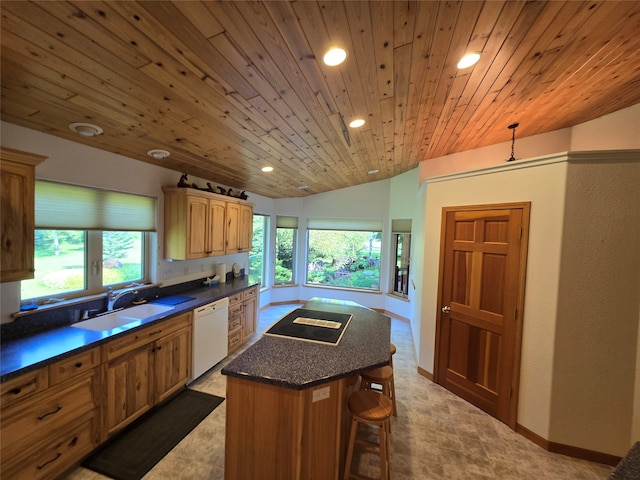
[
  {"x": 86, "y": 129},
  {"x": 468, "y": 60},
  {"x": 267, "y": 169},
  {"x": 357, "y": 123},
  {"x": 158, "y": 154},
  {"x": 512, "y": 127},
  {"x": 373, "y": 172},
  {"x": 334, "y": 56},
  {"x": 303, "y": 187}
]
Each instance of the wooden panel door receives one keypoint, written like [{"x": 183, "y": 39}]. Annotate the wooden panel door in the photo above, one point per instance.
[{"x": 483, "y": 258}]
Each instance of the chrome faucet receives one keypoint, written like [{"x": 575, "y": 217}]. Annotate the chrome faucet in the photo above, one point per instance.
[{"x": 112, "y": 297}]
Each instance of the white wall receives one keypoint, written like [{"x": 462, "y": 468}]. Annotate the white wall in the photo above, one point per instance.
[
  {"x": 541, "y": 182},
  {"x": 597, "y": 317},
  {"x": 617, "y": 131}
]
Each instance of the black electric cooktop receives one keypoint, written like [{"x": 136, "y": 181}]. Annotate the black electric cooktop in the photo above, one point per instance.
[{"x": 312, "y": 326}]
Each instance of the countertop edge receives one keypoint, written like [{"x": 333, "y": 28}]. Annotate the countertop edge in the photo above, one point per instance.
[{"x": 202, "y": 296}]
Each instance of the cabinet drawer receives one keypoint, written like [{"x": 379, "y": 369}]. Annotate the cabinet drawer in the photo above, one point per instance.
[
  {"x": 250, "y": 293},
  {"x": 72, "y": 366},
  {"x": 23, "y": 386},
  {"x": 235, "y": 298},
  {"x": 235, "y": 310},
  {"x": 44, "y": 415},
  {"x": 131, "y": 341},
  {"x": 234, "y": 324},
  {"x": 55, "y": 455},
  {"x": 235, "y": 340}
]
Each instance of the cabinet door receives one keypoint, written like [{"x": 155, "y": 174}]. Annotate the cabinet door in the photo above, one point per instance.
[
  {"x": 217, "y": 217},
  {"x": 197, "y": 227},
  {"x": 172, "y": 363},
  {"x": 246, "y": 228},
  {"x": 249, "y": 318},
  {"x": 232, "y": 228},
  {"x": 16, "y": 218},
  {"x": 128, "y": 388}
]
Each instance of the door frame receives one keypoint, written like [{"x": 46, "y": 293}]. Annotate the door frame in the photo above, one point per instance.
[{"x": 522, "y": 272}]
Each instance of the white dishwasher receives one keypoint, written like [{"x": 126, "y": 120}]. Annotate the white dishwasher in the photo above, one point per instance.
[{"x": 210, "y": 335}]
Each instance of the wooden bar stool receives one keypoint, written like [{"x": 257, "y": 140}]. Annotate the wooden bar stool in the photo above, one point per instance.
[
  {"x": 382, "y": 376},
  {"x": 369, "y": 408}
]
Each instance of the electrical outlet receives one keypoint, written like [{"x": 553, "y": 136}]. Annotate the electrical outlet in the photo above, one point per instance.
[
  {"x": 321, "y": 394},
  {"x": 168, "y": 273}
]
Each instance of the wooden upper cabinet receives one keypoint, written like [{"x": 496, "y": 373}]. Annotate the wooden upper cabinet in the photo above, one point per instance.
[
  {"x": 201, "y": 224},
  {"x": 239, "y": 228},
  {"x": 17, "y": 189}
]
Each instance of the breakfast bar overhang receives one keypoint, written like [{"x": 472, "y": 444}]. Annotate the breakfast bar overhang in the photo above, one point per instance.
[{"x": 286, "y": 397}]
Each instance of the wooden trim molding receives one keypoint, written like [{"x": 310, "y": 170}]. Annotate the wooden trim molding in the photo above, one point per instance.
[
  {"x": 425, "y": 374},
  {"x": 568, "y": 450}
]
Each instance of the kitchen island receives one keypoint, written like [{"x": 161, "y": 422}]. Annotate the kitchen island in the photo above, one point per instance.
[{"x": 286, "y": 398}]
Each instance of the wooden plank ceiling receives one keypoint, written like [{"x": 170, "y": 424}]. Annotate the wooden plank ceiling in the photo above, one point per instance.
[{"x": 230, "y": 87}]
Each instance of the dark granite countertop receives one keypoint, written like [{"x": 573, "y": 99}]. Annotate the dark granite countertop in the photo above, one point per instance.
[
  {"x": 298, "y": 364},
  {"x": 22, "y": 355}
]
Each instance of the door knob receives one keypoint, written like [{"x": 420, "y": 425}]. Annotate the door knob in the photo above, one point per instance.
[{"x": 446, "y": 309}]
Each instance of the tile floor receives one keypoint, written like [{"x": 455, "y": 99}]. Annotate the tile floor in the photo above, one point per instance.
[{"x": 436, "y": 435}]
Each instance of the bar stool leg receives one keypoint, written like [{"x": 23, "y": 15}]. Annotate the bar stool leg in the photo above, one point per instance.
[
  {"x": 384, "y": 452},
  {"x": 352, "y": 441}
]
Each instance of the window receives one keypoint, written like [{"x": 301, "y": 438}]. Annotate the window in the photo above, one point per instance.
[
  {"x": 344, "y": 253},
  {"x": 259, "y": 244},
  {"x": 286, "y": 251},
  {"x": 401, "y": 236},
  {"x": 87, "y": 239}
]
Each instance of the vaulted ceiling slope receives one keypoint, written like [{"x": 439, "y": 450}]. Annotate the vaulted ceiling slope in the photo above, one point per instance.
[{"x": 230, "y": 87}]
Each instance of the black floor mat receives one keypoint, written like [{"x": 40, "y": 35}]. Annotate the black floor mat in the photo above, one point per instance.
[{"x": 140, "y": 446}]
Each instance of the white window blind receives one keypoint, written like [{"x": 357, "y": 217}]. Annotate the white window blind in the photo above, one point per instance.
[
  {"x": 401, "y": 225},
  {"x": 345, "y": 224},
  {"x": 71, "y": 207},
  {"x": 286, "y": 222}
]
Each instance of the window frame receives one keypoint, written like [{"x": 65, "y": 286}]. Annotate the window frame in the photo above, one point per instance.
[
  {"x": 286, "y": 223},
  {"x": 369, "y": 225},
  {"x": 265, "y": 248},
  {"x": 94, "y": 267}
]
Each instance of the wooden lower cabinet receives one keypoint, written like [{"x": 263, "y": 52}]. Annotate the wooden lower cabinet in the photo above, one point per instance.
[
  {"x": 53, "y": 417},
  {"x": 52, "y": 426},
  {"x": 243, "y": 317},
  {"x": 144, "y": 368}
]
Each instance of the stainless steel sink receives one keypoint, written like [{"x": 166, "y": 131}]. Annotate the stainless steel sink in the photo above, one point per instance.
[{"x": 123, "y": 319}]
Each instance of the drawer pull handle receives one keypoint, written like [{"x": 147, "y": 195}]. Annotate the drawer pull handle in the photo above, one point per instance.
[
  {"x": 56, "y": 410},
  {"x": 58, "y": 455},
  {"x": 156, "y": 332},
  {"x": 78, "y": 364}
]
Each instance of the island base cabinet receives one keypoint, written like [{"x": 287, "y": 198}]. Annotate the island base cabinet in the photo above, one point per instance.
[{"x": 275, "y": 432}]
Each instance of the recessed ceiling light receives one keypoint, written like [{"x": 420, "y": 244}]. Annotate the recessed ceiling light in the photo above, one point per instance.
[
  {"x": 86, "y": 129},
  {"x": 158, "y": 154},
  {"x": 358, "y": 122},
  {"x": 373, "y": 172},
  {"x": 303, "y": 187},
  {"x": 267, "y": 169},
  {"x": 335, "y": 56},
  {"x": 468, "y": 60}
]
